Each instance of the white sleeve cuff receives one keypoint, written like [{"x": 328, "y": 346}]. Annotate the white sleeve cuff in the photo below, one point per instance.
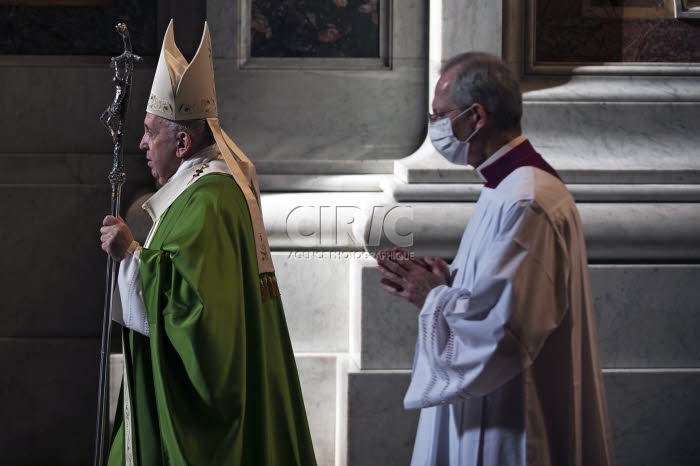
[{"x": 129, "y": 300}]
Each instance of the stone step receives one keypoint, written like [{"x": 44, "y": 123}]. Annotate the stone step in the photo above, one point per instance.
[{"x": 653, "y": 415}]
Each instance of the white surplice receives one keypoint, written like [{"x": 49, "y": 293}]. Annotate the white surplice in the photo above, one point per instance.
[{"x": 506, "y": 366}]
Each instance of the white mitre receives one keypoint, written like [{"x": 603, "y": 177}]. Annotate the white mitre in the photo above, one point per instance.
[
  {"x": 186, "y": 91},
  {"x": 183, "y": 91}
]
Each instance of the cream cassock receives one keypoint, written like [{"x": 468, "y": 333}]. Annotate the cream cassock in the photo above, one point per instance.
[{"x": 506, "y": 366}]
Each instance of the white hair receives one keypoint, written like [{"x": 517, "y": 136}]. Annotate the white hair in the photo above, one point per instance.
[
  {"x": 197, "y": 129},
  {"x": 486, "y": 80}
]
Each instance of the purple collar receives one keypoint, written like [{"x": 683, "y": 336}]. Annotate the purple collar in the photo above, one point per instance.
[{"x": 522, "y": 155}]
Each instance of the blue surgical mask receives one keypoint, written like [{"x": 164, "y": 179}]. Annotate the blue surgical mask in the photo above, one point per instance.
[{"x": 445, "y": 141}]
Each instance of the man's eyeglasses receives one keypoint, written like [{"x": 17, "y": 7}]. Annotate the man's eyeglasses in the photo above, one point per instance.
[{"x": 433, "y": 117}]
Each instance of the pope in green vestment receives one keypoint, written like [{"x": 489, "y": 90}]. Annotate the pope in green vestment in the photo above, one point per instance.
[
  {"x": 215, "y": 383},
  {"x": 209, "y": 372}
]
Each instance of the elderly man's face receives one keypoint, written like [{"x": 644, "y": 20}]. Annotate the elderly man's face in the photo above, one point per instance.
[
  {"x": 160, "y": 147},
  {"x": 463, "y": 121}
]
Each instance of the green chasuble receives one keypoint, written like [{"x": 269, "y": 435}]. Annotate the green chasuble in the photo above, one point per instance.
[{"x": 216, "y": 382}]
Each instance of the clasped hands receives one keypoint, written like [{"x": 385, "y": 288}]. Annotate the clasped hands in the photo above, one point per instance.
[
  {"x": 403, "y": 275},
  {"x": 116, "y": 237}
]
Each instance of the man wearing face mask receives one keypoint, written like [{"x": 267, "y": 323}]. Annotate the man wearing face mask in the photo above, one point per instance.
[{"x": 506, "y": 368}]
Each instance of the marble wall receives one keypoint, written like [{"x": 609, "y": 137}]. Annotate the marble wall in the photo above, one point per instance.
[
  {"x": 307, "y": 115},
  {"x": 622, "y": 136}
]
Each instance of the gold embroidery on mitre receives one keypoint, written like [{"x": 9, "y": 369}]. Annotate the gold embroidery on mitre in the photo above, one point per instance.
[
  {"x": 159, "y": 105},
  {"x": 206, "y": 105}
]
